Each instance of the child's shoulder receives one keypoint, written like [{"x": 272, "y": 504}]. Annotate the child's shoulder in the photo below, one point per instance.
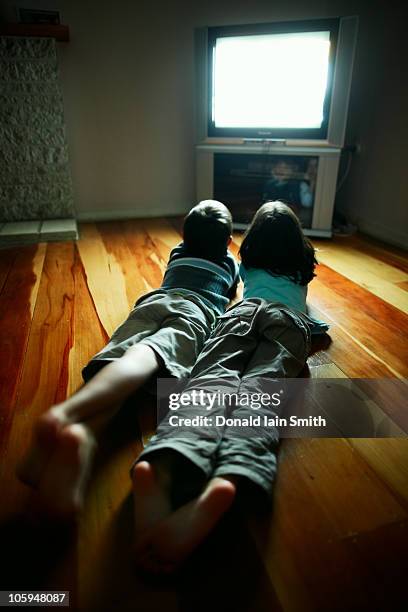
[{"x": 246, "y": 271}]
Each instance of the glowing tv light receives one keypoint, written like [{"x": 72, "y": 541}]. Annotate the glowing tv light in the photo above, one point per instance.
[{"x": 270, "y": 81}]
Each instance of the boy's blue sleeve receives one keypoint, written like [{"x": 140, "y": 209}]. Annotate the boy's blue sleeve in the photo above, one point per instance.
[{"x": 242, "y": 272}]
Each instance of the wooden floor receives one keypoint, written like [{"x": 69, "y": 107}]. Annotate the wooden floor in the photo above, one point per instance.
[{"x": 338, "y": 535}]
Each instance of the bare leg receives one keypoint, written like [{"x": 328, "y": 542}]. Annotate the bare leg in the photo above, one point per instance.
[{"x": 109, "y": 387}]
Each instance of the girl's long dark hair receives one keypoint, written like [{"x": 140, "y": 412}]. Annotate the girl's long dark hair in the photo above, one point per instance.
[{"x": 275, "y": 242}]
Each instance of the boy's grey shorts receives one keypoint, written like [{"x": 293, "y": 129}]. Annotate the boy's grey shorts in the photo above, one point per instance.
[
  {"x": 175, "y": 325},
  {"x": 253, "y": 340}
]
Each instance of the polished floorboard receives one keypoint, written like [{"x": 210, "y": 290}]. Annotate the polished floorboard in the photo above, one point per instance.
[{"x": 337, "y": 538}]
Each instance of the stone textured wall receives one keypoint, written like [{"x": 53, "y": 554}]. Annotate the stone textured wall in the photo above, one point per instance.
[{"x": 35, "y": 179}]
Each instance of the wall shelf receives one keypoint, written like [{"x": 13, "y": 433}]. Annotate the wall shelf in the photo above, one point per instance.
[{"x": 59, "y": 32}]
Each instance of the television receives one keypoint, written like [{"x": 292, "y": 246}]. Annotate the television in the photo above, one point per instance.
[{"x": 271, "y": 110}]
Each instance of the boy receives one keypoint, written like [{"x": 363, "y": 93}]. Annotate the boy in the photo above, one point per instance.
[{"x": 163, "y": 335}]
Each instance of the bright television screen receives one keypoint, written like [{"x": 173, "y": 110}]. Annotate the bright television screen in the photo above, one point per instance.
[{"x": 271, "y": 80}]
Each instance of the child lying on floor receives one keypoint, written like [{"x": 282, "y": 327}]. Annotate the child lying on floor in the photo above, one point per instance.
[
  {"x": 266, "y": 335},
  {"x": 163, "y": 334}
]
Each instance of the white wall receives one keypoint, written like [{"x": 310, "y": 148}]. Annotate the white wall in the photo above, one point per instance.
[{"x": 128, "y": 82}]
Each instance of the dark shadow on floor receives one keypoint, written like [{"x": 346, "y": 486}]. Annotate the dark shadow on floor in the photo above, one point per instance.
[
  {"x": 37, "y": 556},
  {"x": 227, "y": 574}
]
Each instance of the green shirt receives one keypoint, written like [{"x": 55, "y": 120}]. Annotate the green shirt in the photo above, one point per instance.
[{"x": 277, "y": 288}]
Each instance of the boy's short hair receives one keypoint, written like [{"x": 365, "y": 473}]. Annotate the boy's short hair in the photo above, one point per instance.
[{"x": 206, "y": 230}]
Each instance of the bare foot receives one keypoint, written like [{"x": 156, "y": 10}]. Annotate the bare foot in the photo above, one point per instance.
[
  {"x": 151, "y": 491},
  {"x": 44, "y": 442},
  {"x": 61, "y": 489},
  {"x": 176, "y": 537}
]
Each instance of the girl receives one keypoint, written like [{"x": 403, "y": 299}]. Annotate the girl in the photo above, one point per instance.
[{"x": 262, "y": 338}]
